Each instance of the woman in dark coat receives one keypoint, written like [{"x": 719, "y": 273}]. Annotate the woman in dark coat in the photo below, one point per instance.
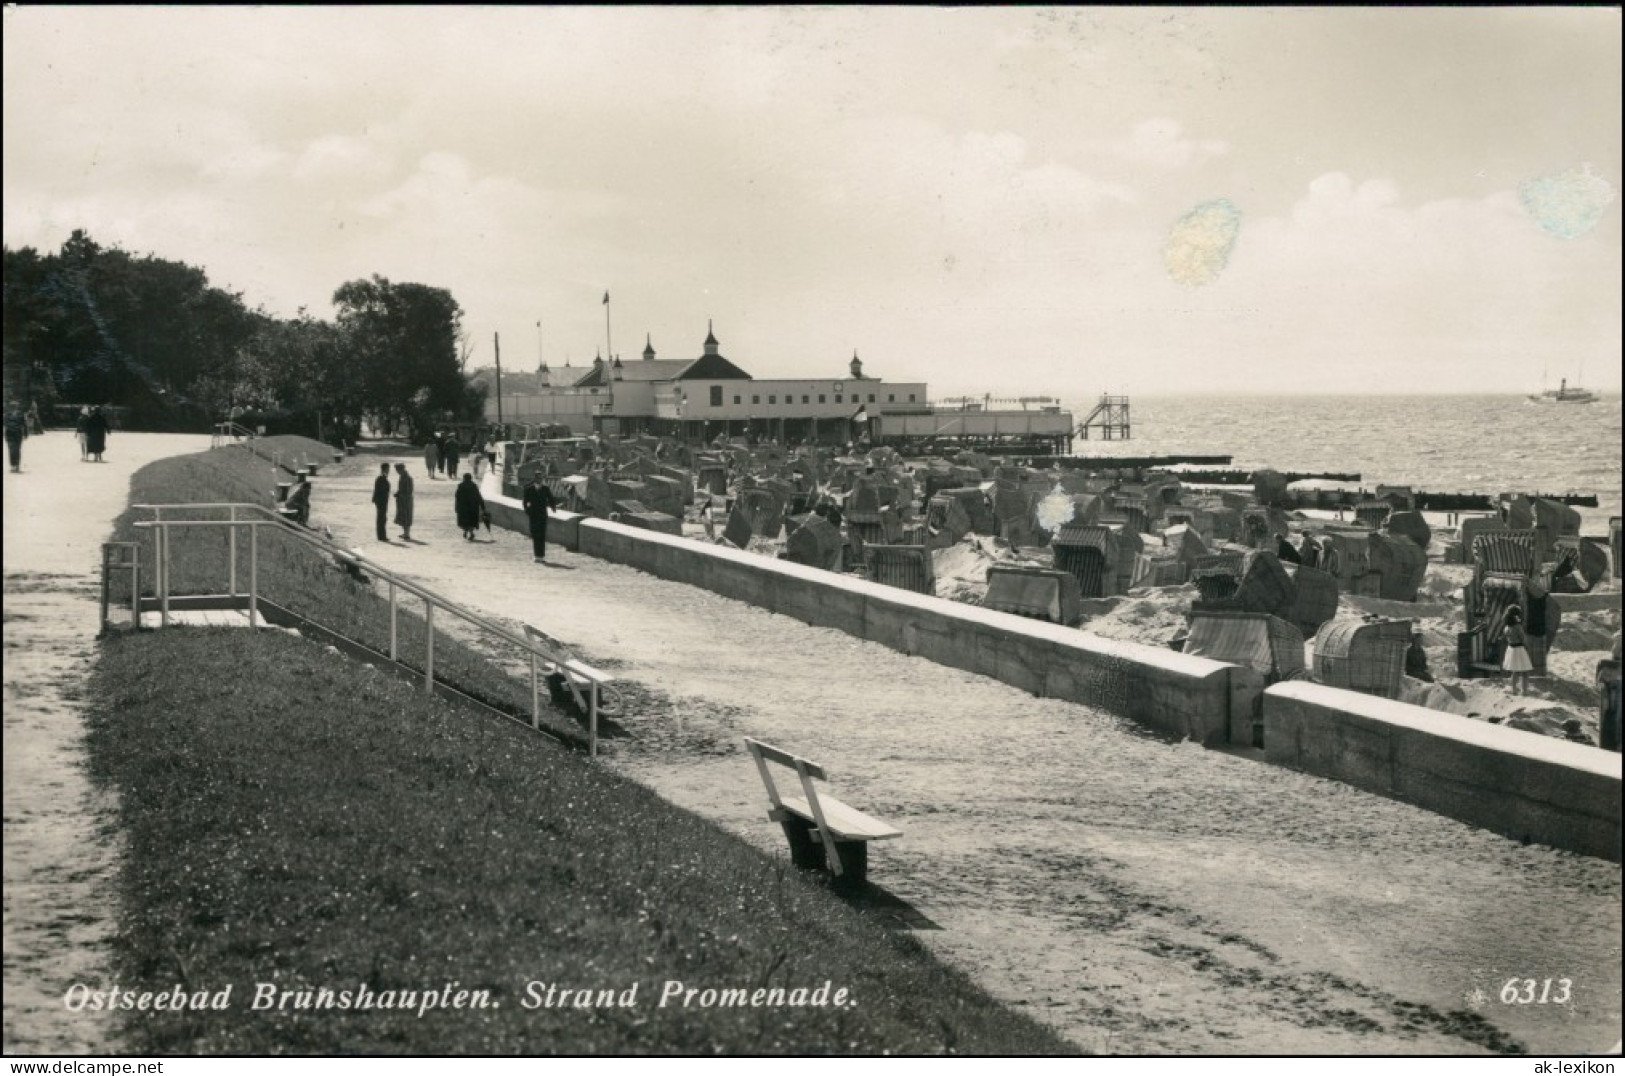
[
  {"x": 470, "y": 507},
  {"x": 96, "y": 434},
  {"x": 403, "y": 501}
]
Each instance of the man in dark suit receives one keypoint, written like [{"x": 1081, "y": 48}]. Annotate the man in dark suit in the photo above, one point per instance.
[
  {"x": 538, "y": 502},
  {"x": 380, "y": 499}
]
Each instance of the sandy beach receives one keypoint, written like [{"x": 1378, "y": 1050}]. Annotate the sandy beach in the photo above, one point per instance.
[
  {"x": 1142, "y": 896},
  {"x": 60, "y": 848}
]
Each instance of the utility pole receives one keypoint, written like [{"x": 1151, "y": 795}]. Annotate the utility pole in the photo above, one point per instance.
[{"x": 496, "y": 342}]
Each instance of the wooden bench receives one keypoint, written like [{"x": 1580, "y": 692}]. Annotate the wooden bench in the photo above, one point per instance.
[
  {"x": 821, "y": 829},
  {"x": 578, "y": 676}
]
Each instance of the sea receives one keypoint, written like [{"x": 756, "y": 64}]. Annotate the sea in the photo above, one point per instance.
[{"x": 1440, "y": 444}]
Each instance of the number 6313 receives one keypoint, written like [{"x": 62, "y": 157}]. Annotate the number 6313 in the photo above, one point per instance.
[{"x": 1535, "y": 992}]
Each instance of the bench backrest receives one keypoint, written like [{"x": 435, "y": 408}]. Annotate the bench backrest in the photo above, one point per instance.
[
  {"x": 767, "y": 751},
  {"x": 556, "y": 651}
]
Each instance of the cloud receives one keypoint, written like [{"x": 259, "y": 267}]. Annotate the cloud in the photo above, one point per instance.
[
  {"x": 1161, "y": 143},
  {"x": 344, "y": 160}
]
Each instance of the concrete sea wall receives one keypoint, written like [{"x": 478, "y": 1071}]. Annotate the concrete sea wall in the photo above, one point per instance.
[{"x": 1520, "y": 784}]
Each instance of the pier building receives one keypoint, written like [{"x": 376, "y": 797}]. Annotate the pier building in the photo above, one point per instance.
[{"x": 701, "y": 398}]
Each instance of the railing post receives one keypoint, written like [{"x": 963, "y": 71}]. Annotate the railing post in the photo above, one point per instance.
[
  {"x": 393, "y": 635},
  {"x": 428, "y": 664},
  {"x": 253, "y": 573},
  {"x": 535, "y": 699},
  {"x": 158, "y": 558},
  {"x": 163, "y": 595},
  {"x": 232, "y": 531},
  {"x": 135, "y": 589},
  {"x": 592, "y": 720},
  {"x": 104, "y": 617}
]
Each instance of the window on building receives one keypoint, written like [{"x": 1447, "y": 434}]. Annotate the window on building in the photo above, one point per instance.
[
  {"x": 820, "y": 397},
  {"x": 772, "y": 399},
  {"x": 716, "y": 395},
  {"x": 736, "y": 400},
  {"x": 805, "y": 400},
  {"x": 891, "y": 397},
  {"x": 911, "y": 397},
  {"x": 871, "y": 397},
  {"x": 837, "y": 397},
  {"x": 755, "y": 399}
]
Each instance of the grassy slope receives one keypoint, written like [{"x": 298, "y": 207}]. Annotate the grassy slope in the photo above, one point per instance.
[{"x": 294, "y": 818}]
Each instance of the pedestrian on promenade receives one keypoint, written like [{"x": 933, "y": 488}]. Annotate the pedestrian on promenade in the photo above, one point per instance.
[
  {"x": 16, "y": 430},
  {"x": 298, "y": 501},
  {"x": 431, "y": 455},
  {"x": 491, "y": 450},
  {"x": 1516, "y": 659},
  {"x": 470, "y": 507},
  {"x": 478, "y": 456},
  {"x": 539, "y": 501},
  {"x": 96, "y": 428},
  {"x": 80, "y": 429},
  {"x": 403, "y": 501},
  {"x": 380, "y": 501},
  {"x": 1608, "y": 700},
  {"x": 451, "y": 453},
  {"x": 440, "y": 453}
]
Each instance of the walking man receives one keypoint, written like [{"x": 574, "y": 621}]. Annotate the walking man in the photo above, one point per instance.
[
  {"x": 403, "y": 501},
  {"x": 538, "y": 502},
  {"x": 380, "y": 499},
  {"x": 16, "y": 430},
  {"x": 451, "y": 453}
]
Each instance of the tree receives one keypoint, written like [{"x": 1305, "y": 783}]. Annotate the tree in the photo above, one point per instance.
[{"x": 403, "y": 338}]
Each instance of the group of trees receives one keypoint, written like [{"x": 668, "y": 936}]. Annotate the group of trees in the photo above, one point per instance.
[{"x": 97, "y": 325}]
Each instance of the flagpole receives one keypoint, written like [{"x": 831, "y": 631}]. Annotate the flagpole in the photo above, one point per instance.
[
  {"x": 496, "y": 342},
  {"x": 609, "y": 346}
]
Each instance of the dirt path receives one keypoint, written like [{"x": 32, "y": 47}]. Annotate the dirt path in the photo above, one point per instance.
[
  {"x": 1144, "y": 897},
  {"x": 60, "y": 852}
]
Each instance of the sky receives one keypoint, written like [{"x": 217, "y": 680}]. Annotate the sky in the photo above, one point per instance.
[{"x": 1037, "y": 200}]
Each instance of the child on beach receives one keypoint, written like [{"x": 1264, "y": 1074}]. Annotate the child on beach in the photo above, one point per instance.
[{"x": 1516, "y": 659}]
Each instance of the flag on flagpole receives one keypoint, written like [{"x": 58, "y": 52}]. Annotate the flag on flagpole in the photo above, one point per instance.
[
  {"x": 862, "y": 416},
  {"x": 606, "y": 298}
]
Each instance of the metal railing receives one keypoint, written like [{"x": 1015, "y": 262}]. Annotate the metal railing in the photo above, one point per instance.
[
  {"x": 121, "y": 557},
  {"x": 256, "y": 517},
  {"x": 230, "y": 433}
]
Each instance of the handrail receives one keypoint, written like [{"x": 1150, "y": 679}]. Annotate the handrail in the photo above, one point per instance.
[
  {"x": 313, "y": 538},
  {"x": 431, "y": 599},
  {"x": 235, "y": 430}
]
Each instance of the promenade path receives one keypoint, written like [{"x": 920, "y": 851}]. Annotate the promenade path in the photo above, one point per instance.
[
  {"x": 60, "y": 850},
  {"x": 1143, "y": 896}
]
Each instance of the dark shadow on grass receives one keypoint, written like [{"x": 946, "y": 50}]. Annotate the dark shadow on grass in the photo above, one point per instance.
[
  {"x": 882, "y": 906},
  {"x": 608, "y": 728}
]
